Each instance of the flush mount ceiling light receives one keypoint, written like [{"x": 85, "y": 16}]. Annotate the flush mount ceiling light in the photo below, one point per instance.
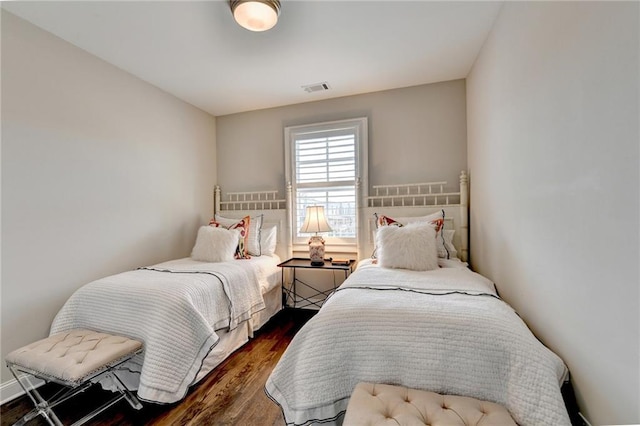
[{"x": 255, "y": 15}]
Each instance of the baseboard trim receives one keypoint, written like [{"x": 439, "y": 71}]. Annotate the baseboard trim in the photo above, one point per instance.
[
  {"x": 584, "y": 419},
  {"x": 11, "y": 390}
]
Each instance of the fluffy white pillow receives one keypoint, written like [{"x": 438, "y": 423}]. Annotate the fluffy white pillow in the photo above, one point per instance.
[
  {"x": 255, "y": 228},
  {"x": 444, "y": 244},
  {"x": 215, "y": 244},
  {"x": 407, "y": 247},
  {"x": 268, "y": 240}
]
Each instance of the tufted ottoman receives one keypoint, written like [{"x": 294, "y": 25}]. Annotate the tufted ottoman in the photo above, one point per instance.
[
  {"x": 377, "y": 404},
  {"x": 76, "y": 359}
]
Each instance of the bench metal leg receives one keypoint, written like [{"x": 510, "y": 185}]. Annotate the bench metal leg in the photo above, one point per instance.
[
  {"x": 126, "y": 393},
  {"x": 44, "y": 408}
]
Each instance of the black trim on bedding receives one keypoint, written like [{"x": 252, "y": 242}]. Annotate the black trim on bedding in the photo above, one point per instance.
[
  {"x": 442, "y": 236},
  {"x": 148, "y": 268},
  {"x": 192, "y": 382},
  {"x": 310, "y": 421},
  {"x": 428, "y": 292},
  {"x": 214, "y": 274}
]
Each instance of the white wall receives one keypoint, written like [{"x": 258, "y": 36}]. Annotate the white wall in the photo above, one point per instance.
[
  {"x": 553, "y": 157},
  {"x": 101, "y": 173},
  {"x": 416, "y": 134}
]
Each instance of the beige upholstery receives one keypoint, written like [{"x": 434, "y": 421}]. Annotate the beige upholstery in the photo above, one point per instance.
[
  {"x": 378, "y": 404},
  {"x": 74, "y": 355}
]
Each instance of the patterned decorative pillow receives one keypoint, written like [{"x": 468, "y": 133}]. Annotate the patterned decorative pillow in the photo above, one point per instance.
[
  {"x": 242, "y": 225},
  {"x": 436, "y": 220},
  {"x": 255, "y": 230},
  {"x": 387, "y": 221}
]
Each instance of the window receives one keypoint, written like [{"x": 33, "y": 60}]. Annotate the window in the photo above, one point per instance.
[{"x": 325, "y": 163}]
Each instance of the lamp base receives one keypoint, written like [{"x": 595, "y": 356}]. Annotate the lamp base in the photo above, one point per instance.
[{"x": 316, "y": 250}]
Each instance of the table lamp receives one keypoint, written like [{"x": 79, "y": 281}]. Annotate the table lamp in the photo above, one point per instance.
[{"x": 314, "y": 222}]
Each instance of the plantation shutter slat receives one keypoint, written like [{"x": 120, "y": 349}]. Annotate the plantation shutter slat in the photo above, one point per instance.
[{"x": 326, "y": 175}]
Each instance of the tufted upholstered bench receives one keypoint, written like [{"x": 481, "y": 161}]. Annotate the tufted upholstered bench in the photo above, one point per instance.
[
  {"x": 76, "y": 359},
  {"x": 378, "y": 404}
]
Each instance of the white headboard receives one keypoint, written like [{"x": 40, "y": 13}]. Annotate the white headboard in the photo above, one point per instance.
[
  {"x": 266, "y": 203},
  {"x": 418, "y": 199}
]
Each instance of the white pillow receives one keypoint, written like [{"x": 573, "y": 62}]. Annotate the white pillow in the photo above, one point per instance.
[
  {"x": 255, "y": 228},
  {"x": 446, "y": 249},
  {"x": 446, "y": 253},
  {"x": 268, "y": 240},
  {"x": 215, "y": 244},
  {"x": 408, "y": 247}
]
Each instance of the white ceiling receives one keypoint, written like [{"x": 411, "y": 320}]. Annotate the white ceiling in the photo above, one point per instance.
[{"x": 196, "y": 51}]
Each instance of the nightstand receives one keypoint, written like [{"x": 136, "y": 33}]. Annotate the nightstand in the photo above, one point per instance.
[{"x": 291, "y": 293}]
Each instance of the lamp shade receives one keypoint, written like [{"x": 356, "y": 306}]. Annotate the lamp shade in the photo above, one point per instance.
[
  {"x": 256, "y": 15},
  {"x": 315, "y": 221}
]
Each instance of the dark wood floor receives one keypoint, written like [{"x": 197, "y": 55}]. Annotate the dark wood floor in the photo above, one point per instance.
[{"x": 232, "y": 394}]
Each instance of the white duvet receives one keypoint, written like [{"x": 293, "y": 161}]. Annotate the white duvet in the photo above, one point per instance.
[
  {"x": 445, "y": 331},
  {"x": 174, "y": 308}
]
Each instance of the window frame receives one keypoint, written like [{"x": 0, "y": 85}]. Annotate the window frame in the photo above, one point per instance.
[{"x": 360, "y": 130}]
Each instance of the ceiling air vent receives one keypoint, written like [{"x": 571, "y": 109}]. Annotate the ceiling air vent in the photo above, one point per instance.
[{"x": 317, "y": 87}]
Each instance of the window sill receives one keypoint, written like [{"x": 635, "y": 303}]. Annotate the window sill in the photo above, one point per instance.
[{"x": 328, "y": 248}]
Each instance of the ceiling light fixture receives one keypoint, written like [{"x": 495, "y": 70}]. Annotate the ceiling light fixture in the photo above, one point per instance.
[{"x": 255, "y": 15}]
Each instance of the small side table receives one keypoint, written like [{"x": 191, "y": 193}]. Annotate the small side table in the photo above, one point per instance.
[{"x": 290, "y": 295}]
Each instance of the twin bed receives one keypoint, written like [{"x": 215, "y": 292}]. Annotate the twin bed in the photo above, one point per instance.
[
  {"x": 401, "y": 320},
  {"x": 191, "y": 315},
  {"x": 445, "y": 330}
]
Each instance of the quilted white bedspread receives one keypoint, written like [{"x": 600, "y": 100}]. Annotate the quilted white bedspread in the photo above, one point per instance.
[
  {"x": 174, "y": 308},
  {"x": 445, "y": 331}
]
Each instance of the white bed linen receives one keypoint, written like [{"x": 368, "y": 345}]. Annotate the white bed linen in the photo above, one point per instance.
[
  {"x": 232, "y": 340},
  {"x": 175, "y": 314},
  {"x": 445, "y": 331}
]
